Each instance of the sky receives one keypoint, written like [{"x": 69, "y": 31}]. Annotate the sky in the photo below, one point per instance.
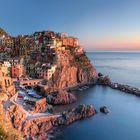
[{"x": 100, "y": 25}]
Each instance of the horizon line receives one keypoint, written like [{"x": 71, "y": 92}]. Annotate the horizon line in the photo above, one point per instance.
[{"x": 127, "y": 51}]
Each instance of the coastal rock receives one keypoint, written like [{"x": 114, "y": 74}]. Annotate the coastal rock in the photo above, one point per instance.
[
  {"x": 104, "y": 109},
  {"x": 40, "y": 106},
  {"x": 103, "y": 80},
  {"x": 61, "y": 97},
  {"x": 7, "y": 132},
  {"x": 38, "y": 127},
  {"x": 125, "y": 88},
  {"x": 17, "y": 116},
  {"x": 72, "y": 69},
  {"x": 78, "y": 113}
]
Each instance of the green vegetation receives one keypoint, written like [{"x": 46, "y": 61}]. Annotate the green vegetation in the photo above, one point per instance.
[
  {"x": 9, "y": 133},
  {"x": 3, "y": 134}
]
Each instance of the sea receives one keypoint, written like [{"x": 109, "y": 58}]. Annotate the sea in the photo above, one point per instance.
[{"x": 123, "y": 121}]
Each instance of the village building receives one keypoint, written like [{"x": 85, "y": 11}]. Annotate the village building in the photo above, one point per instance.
[
  {"x": 9, "y": 42},
  {"x": 17, "y": 71},
  {"x": 70, "y": 41},
  {"x": 6, "y": 83},
  {"x": 42, "y": 71},
  {"x": 62, "y": 35},
  {"x": 2, "y": 49},
  {"x": 16, "y": 61},
  {"x": 45, "y": 71}
]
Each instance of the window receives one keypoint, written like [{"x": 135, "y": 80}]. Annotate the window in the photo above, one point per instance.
[
  {"x": 5, "y": 82},
  {"x": 8, "y": 82},
  {"x": 25, "y": 84}
]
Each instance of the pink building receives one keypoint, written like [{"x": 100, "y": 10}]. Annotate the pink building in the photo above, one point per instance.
[{"x": 17, "y": 71}]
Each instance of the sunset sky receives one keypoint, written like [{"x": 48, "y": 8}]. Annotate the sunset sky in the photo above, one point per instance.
[{"x": 99, "y": 24}]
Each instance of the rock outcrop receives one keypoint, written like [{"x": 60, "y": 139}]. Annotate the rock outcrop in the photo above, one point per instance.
[
  {"x": 72, "y": 69},
  {"x": 103, "y": 80},
  {"x": 40, "y": 106},
  {"x": 61, "y": 97},
  {"x": 104, "y": 109},
  {"x": 37, "y": 128},
  {"x": 78, "y": 113},
  {"x": 7, "y": 132},
  {"x": 17, "y": 116},
  {"x": 125, "y": 88}
]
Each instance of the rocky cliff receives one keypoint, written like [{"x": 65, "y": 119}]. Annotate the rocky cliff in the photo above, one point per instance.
[
  {"x": 61, "y": 97},
  {"x": 77, "y": 113},
  {"x": 40, "y": 106},
  {"x": 7, "y": 132},
  {"x": 73, "y": 68},
  {"x": 17, "y": 116},
  {"x": 37, "y": 128}
]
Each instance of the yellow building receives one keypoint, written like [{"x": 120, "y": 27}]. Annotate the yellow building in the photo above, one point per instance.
[
  {"x": 58, "y": 43},
  {"x": 9, "y": 42},
  {"x": 6, "y": 83},
  {"x": 24, "y": 46}
]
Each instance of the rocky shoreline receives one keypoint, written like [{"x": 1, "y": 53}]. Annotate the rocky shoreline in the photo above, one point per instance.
[
  {"x": 37, "y": 128},
  {"x": 125, "y": 88},
  {"x": 61, "y": 98},
  {"x": 105, "y": 80},
  {"x": 77, "y": 113}
]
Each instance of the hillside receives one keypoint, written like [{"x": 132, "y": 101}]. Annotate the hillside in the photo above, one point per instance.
[
  {"x": 73, "y": 68},
  {"x": 3, "y": 32},
  {"x": 7, "y": 132}
]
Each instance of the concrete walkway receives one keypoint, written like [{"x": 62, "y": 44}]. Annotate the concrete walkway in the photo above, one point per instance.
[{"x": 30, "y": 116}]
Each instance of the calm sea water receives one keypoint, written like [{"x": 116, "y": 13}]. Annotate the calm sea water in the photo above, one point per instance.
[{"x": 123, "y": 123}]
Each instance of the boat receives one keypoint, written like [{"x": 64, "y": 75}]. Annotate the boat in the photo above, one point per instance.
[{"x": 20, "y": 96}]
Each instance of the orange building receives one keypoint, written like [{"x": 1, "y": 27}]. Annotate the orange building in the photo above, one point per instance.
[
  {"x": 17, "y": 71},
  {"x": 70, "y": 41}
]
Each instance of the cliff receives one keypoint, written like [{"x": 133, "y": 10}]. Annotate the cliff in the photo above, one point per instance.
[
  {"x": 73, "y": 68},
  {"x": 17, "y": 116},
  {"x": 7, "y": 132},
  {"x": 61, "y": 97},
  {"x": 77, "y": 113},
  {"x": 37, "y": 128}
]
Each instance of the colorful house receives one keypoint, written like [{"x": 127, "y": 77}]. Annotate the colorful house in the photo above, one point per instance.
[
  {"x": 6, "y": 83},
  {"x": 17, "y": 71}
]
